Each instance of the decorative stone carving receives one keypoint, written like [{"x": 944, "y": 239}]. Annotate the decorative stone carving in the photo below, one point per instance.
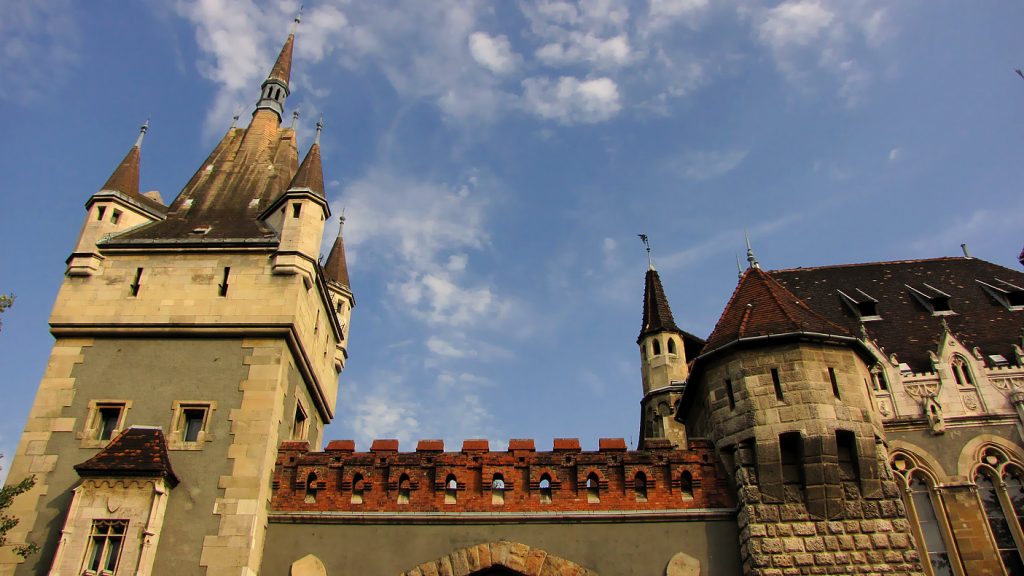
[
  {"x": 970, "y": 402},
  {"x": 682, "y": 564},
  {"x": 933, "y": 411},
  {"x": 884, "y": 409},
  {"x": 922, "y": 389},
  {"x": 308, "y": 565}
]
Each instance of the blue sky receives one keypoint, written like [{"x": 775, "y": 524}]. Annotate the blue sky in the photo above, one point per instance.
[{"x": 497, "y": 160}]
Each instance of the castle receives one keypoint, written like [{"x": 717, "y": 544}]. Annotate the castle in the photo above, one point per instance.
[{"x": 858, "y": 419}]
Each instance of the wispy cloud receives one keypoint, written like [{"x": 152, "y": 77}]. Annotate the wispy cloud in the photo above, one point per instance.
[
  {"x": 571, "y": 101},
  {"x": 707, "y": 164},
  {"x": 38, "y": 46}
]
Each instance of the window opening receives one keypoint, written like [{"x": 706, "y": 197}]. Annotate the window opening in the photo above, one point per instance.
[
  {"x": 640, "y": 487},
  {"x": 863, "y": 305},
  {"x": 593, "y": 489},
  {"x": 498, "y": 490},
  {"x": 999, "y": 524},
  {"x": 846, "y": 446},
  {"x": 224, "y": 282},
  {"x": 924, "y": 509},
  {"x": 137, "y": 283},
  {"x": 106, "y": 540},
  {"x": 545, "y": 489},
  {"x": 671, "y": 345},
  {"x": 403, "y": 489},
  {"x": 878, "y": 380},
  {"x": 451, "y": 487},
  {"x": 934, "y": 300},
  {"x": 961, "y": 371},
  {"x": 729, "y": 392},
  {"x": 193, "y": 421},
  {"x": 1009, "y": 295},
  {"x": 115, "y": 217},
  {"x": 296, "y": 210},
  {"x": 311, "y": 488},
  {"x": 299, "y": 424},
  {"x": 100, "y": 212},
  {"x": 835, "y": 383},
  {"x": 358, "y": 485},
  {"x": 656, "y": 348},
  {"x": 686, "y": 485},
  {"x": 777, "y": 383},
  {"x": 791, "y": 446},
  {"x": 109, "y": 418}
]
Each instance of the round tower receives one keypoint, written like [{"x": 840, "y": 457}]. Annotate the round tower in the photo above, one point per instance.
[{"x": 663, "y": 367}]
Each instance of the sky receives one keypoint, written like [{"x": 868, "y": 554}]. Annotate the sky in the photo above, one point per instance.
[{"x": 496, "y": 161}]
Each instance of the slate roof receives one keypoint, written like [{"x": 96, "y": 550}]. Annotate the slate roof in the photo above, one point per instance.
[
  {"x": 137, "y": 451},
  {"x": 761, "y": 306},
  {"x": 282, "y": 69},
  {"x": 906, "y": 327},
  {"x": 657, "y": 314},
  {"x": 125, "y": 179}
]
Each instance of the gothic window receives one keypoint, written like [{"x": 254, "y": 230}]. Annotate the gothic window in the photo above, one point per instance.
[
  {"x": 672, "y": 346},
  {"x": 928, "y": 518},
  {"x": 999, "y": 485},
  {"x": 656, "y": 346},
  {"x": 878, "y": 379},
  {"x": 358, "y": 485},
  {"x": 640, "y": 487},
  {"x": 300, "y": 425},
  {"x": 961, "y": 371},
  {"x": 545, "y": 489},
  {"x": 686, "y": 485},
  {"x": 451, "y": 488},
  {"x": 105, "y": 542},
  {"x": 498, "y": 490},
  {"x": 403, "y": 489},
  {"x": 593, "y": 488}
]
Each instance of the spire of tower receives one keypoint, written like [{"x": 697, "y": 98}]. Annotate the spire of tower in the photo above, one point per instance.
[
  {"x": 310, "y": 175},
  {"x": 319, "y": 129},
  {"x": 274, "y": 89},
  {"x": 125, "y": 178},
  {"x": 739, "y": 269},
  {"x": 657, "y": 314},
  {"x": 751, "y": 259},
  {"x": 336, "y": 269}
]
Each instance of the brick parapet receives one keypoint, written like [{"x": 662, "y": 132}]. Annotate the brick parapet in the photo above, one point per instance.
[{"x": 675, "y": 479}]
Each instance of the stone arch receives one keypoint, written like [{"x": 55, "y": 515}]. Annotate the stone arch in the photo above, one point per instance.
[
  {"x": 923, "y": 458},
  {"x": 973, "y": 449},
  {"x": 514, "y": 556}
]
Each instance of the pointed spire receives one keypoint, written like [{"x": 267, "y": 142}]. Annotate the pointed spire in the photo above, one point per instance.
[
  {"x": 125, "y": 178},
  {"x": 751, "y": 259},
  {"x": 739, "y": 269},
  {"x": 282, "y": 69},
  {"x": 657, "y": 314},
  {"x": 274, "y": 89},
  {"x": 336, "y": 269},
  {"x": 310, "y": 175}
]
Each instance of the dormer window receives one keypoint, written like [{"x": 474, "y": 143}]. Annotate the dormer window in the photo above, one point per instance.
[
  {"x": 1009, "y": 295},
  {"x": 934, "y": 300},
  {"x": 998, "y": 360},
  {"x": 861, "y": 304}
]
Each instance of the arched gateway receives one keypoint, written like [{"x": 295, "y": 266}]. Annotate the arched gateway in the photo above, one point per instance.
[{"x": 502, "y": 558}]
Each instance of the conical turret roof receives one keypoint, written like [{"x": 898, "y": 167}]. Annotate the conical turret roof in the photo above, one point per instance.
[
  {"x": 336, "y": 268},
  {"x": 310, "y": 175},
  {"x": 657, "y": 314},
  {"x": 282, "y": 69},
  {"x": 125, "y": 178},
  {"x": 761, "y": 306}
]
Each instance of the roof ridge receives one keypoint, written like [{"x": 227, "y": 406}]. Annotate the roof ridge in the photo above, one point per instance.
[{"x": 883, "y": 262}]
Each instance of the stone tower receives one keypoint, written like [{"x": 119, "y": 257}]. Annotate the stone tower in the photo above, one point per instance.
[
  {"x": 201, "y": 334},
  {"x": 784, "y": 397},
  {"x": 663, "y": 366}
]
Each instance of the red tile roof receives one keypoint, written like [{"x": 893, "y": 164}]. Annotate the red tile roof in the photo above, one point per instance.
[
  {"x": 761, "y": 306},
  {"x": 137, "y": 451}
]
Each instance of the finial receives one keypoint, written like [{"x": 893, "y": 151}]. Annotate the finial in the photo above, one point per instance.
[
  {"x": 751, "y": 259},
  {"x": 739, "y": 269},
  {"x": 647, "y": 244},
  {"x": 341, "y": 221},
  {"x": 963, "y": 247},
  {"x": 295, "y": 117},
  {"x": 319, "y": 128},
  {"x": 234, "y": 119},
  {"x": 142, "y": 132},
  {"x": 295, "y": 22}
]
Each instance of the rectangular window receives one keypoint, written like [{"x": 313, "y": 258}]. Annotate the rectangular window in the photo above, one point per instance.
[
  {"x": 224, "y": 282},
  {"x": 296, "y": 210},
  {"x": 137, "y": 283},
  {"x": 115, "y": 217},
  {"x": 109, "y": 417},
  {"x": 299, "y": 425},
  {"x": 105, "y": 543},
  {"x": 729, "y": 392},
  {"x": 777, "y": 383},
  {"x": 835, "y": 383},
  {"x": 791, "y": 451},
  {"x": 100, "y": 212},
  {"x": 846, "y": 448},
  {"x": 193, "y": 422}
]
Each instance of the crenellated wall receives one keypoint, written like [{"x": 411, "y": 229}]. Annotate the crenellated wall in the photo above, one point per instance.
[{"x": 658, "y": 478}]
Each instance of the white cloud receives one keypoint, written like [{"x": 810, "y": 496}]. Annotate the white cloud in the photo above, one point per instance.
[
  {"x": 38, "y": 46},
  {"x": 571, "y": 101},
  {"x": 662, "y": 10},
  {"x": 794, "y": 22},
  {"x": 493, "y": 53},
  {"x": 442, "y": 347},
  {"x": 895, "y": 154},
  {"x": 578, "y": 48},
  {"x": 707, "y": 164}
]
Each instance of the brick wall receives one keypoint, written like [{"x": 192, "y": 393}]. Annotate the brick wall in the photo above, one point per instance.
[{"x": 675, "y": 479}]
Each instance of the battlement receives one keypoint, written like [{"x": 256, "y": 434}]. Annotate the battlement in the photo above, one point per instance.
[{"x": 477, "y": 479}]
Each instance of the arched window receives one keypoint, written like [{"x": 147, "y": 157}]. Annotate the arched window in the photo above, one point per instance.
[
  {"x": 878, "y": 379},
  {"x": 672, "y": 346},
  {"x": 451, "y": 489},
  {"x": 1002, "y": 499},
  {"x": 545, "y": 489},
  {"x": 961, "y": 371},
  {"x": 656, "y": 348},
  {"x": 593, "y": 488},
  {"x": 640, "y": 487},
  {"x": 498, "y": 490},
  {"x": 686, "y": 485},
  {"x": 403, "y": 489},
  {"x": 311, "y": 488},
  {"x": 926, "y": 514},
  {"x": 358, "y": 484}
]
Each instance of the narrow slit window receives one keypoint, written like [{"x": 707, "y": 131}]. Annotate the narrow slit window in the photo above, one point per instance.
[
  {"x": 671, "y": 346},
  {"x": 686, "y": 485},
  {"x": 846, "y": 448},
  {"x": 791, "y": 450},
  {"x": 593, "y": 489},
  {"x": 777, "y": 383},
  {"x": 403, "y": 489},
  {"x": 115, "y": 217},
  {"x": 358, "y": 486},
  {"x": 100, "y": 212},
  {"x": 137, "y": 283},
  {"x": 311, "y": 486},
  {"x": 730, "y": 393},
  {"x": 451, "y": 490},
  {"x": 299, "y": 424},
  {"x": 296, "y": 210},
  {"x": 656, "y": 348},
  {"x": 545, "y": 489},
  {"x": 835, "y": 383},
  {"x": 640, "y": 487},
  {"x": 224, "y": 281},
  {"x": 498, "y": 490}
]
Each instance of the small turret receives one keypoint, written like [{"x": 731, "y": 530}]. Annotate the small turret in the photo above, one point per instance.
[
  {"x": 275, "y": 90},
  {"x": 116, "y": 207},
  {"x": 336, "y": 271}
]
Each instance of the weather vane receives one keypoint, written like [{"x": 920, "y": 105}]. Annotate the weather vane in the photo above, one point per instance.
[{"x": 647, "y": 245}]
